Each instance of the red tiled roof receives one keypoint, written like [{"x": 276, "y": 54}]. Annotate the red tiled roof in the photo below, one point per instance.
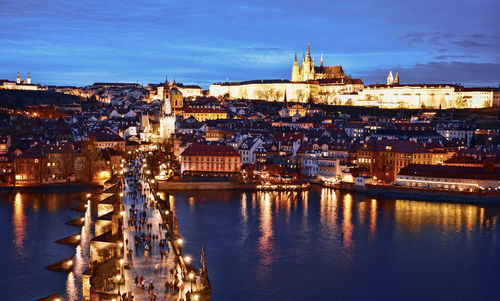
[{"x": 198, "y": 149}]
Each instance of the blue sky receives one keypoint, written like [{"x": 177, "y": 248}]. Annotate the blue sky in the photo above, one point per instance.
[{"x": 81, "y": 42}]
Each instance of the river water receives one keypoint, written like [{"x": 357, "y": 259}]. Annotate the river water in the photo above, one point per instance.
[
  {"x": 319, "y": 245},
  {"x": 323, "y": 245},
  {"x": 30, "y": 224}
]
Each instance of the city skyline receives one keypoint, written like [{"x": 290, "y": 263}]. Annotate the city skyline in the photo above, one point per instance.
[{"x": 66, "y": 43}]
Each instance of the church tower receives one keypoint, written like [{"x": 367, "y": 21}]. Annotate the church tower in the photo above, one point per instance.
[
  {"x": 296, "y": 70},
  {"x": 166, "y": 90},
  {"x": 28, "y": 80},
  {"x": 306, "y": 65},
  {"x": 167, "y": 119},
  {"x": 390, "y": 79},
  {"x": 18, "y": 79},
  {"x": 396, "y": 79}
]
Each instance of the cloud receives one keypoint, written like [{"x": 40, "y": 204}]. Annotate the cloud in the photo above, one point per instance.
[
  {"x": 449, "y": 57},
  {"x": 470, "y": 43}
]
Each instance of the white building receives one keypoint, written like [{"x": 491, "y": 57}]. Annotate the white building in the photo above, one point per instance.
[{"x": 247, "y": 149}]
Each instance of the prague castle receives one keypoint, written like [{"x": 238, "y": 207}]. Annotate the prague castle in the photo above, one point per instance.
[
  {"x": 310, "y": 83},
  {"x": 330, "y": 85}
]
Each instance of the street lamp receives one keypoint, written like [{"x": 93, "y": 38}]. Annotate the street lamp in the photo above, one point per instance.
[
  {"x": 187, "y": 259},
  {"x": 89, "y": 195},
  {"x": 191, "y": 276},
  {"x": 119, "y": 277},
  {"x": 121, "y": 265},
  {"x": 167, "y": 212},
  {"x": 179, "y": 241},
  {"x": 196, "y": 297}
]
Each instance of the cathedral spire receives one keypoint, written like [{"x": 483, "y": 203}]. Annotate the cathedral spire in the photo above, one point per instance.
[
  {"x": 308, "y": 52},
  {"x": 295, "y": 61},
  {"x": 321, "y": 62},
  {"x": 166, "y": 89}
]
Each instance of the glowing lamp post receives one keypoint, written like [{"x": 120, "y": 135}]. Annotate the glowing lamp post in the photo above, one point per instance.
[
  {"x": 118, "y": 279},
  {"x": 191, "y": 277},
  {"x": 121, "y": 266}
]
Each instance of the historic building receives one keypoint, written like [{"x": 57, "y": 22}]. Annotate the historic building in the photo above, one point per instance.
[
  {"x": 310, "y": 83},
  {"x": 308, "y": 71},
  {"x": 19, "y": 84},
  {"x": 330, "y": 85},
  {"x": 445, "y": 96},
  {"x": 171, "y": 102},
  {"x": 187, "y": 91},
  {"x": 449, "y": 177},
  {"x": 210, "y": 159}
]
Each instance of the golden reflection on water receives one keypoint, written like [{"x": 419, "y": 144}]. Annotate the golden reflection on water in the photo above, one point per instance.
[
  {"x": 171, "y": 199},
  {"x": 19, "y": 220},
  {"x": 328, "y": 210},
  {"x": 445, "y": 216},
  {"x": 305, "y": 199},
  {"x": 244, "y": 215},
  {"x": 347, "y": 226},
  {"x": 373, "y": 216},
  {"x": 265, "y": 242}
]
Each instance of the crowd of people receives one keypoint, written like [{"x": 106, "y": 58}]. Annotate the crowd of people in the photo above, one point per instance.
[{"x": 146, "y": 239}]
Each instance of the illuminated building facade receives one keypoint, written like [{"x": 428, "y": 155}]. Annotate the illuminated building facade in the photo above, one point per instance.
[
  {"x": 210, "y": 159},
  {"x": 449, "y": 177}
]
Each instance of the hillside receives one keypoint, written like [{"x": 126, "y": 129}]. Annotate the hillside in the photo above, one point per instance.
[{"x": 20, "y": 98}]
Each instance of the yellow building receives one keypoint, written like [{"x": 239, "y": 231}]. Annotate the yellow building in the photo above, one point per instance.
[{"x": 203, "y": 114}]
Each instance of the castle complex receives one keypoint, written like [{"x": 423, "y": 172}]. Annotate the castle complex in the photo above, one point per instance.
[
  {"x": 324, "y": 84},
  {"x": 330, "y": 85}
]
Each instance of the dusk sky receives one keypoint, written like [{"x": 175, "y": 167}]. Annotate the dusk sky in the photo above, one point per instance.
[{"x": 201, "y": 42}]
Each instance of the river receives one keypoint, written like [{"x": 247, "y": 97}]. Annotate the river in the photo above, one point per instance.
[
  {"x": 323, "y": 245},
  {"x": 318, "y": 245}
]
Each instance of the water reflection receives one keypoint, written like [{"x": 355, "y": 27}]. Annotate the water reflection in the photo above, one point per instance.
[
  {"x": 19, "y": 223},
  {"x": 373, "y": 217},
  {"x": 328, "y": 211},
  {"x": 446, "y": 216},
  {"x": 265, "y": 242},
  {"x": 347, "y": 226},
  {"x": 297, "y": 255}
]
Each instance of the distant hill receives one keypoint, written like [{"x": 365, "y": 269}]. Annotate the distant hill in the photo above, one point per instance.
[{"x": 21, "y": 98}]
